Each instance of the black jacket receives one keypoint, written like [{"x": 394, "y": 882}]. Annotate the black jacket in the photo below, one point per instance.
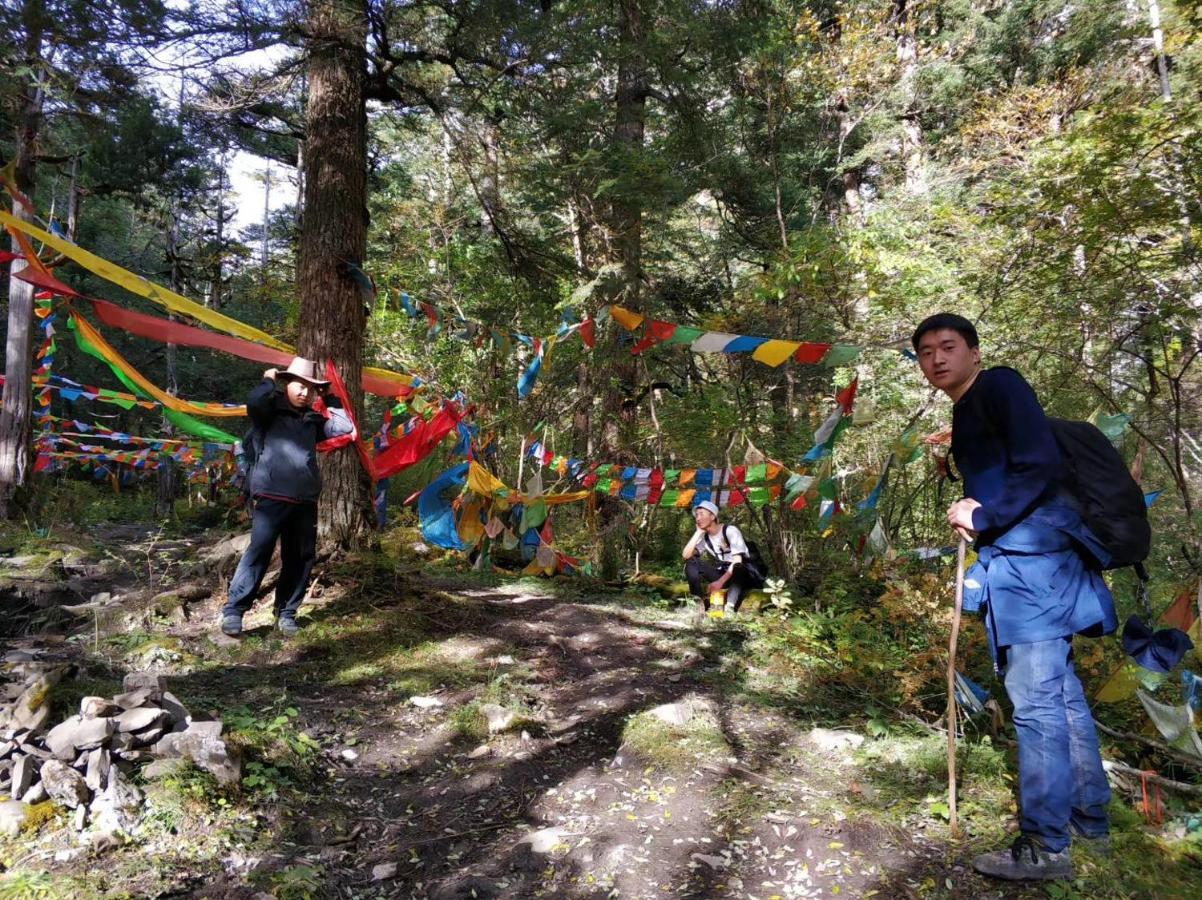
[{"x": 286, "y": 460}]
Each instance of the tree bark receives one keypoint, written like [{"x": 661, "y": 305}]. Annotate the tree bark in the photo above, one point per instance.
[
  {"x": 18, "y": 351},
  {"x": 626, "y": 211},
  {"x": 333, "y": 312},
  {"x": 630, "y": 125},
  {"x": 913, "y": 150}
]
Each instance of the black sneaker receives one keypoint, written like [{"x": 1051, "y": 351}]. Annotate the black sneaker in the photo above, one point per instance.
[
  {"x": 231, "y": 625},
  {"x": 287, "y": 626},
  {"x": 1026, "y": 860}
]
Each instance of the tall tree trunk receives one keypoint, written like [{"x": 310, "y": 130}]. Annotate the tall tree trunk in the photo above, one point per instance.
[
  {"x": 630, "y": 125},
  {"x": 168, "y": 480},
  {"x": 626, "y": 211},
  {"x": 18, "y": 351},
  {"x": 217, "y": 275},
  {"x": 266, "y": 218},
  {"x": 333, "y": 312},
  {"x": 913, "y": 151}
]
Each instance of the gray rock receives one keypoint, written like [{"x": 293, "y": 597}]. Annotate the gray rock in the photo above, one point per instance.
[
  {"x": 174, "y": 708},
  {"x": 545, "y": 839},
  {"x": 480, "y": 752},
  {"x": 133, "y": 699},
  {"x": 35, "y": 794},
  {"x": 102, "y": 598},
  {"x": 64, "y": 784},
  {"x": 6, "y": 748},
  {"x": 31, "y": 711},
  {"x": 81, "y": 817},
  {"x": 99, "y": 764},
  {"x": 140, "y": 719},
  {"x": 97, "y": 708},
  {"x": 13, "y": 814},
  {"x": 209, "y": 728},
  {"x": 206, "y": 751},
  {"x": 23, "y": 771},
  {"x": 135, "y": 680},
  {"x": 35, "y": 751},
  {"x": 75, "y": 734},
  {"x": 383, "y": 871},
  {"x": 163, "y": 768},
  {"x": 137, "y": 756},
  {"x": 148, "y": 736},
  {"x": 425, "y": 702},
  {"x": 499, "y": 718},
  {"x": 682, "y": 712},
  {"x": 835, "y": 741},
  {"x": 118, "y": 807}
]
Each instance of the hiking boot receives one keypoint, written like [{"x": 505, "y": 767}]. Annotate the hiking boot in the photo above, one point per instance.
[
  {"x": 1097, "y": 844},
  {"x": 287, "y": 626},
  {"x": 1026, "y": 860},
  {"x": 231, "y": 625}
]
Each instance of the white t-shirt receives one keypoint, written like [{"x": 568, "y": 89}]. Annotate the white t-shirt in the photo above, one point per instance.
[{"x": 717, "y": 545}]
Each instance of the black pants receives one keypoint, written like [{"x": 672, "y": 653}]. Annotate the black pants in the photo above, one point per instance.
[
  {"x": 294, "y": 525},
  {"x": 697, "y": 570}
]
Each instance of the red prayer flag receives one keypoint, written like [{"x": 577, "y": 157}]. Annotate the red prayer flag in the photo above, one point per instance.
[
  {"x": 846, "y": 398},
  {"x": 655, "y": 332},
  {"x": 588, "y": 332},
  {"x": 45, "y": 281},
  {"x": 810, "y": 354}
]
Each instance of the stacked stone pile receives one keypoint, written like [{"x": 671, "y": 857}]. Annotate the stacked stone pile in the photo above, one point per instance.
[{"x": 84, "y": 763}]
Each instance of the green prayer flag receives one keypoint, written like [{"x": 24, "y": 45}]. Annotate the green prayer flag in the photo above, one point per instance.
[
  {"x": 758, "y": 496},
  {"x": 757, "y": 473},
  {"x": 684, "y": 335},
  {"x": 669, "y": 498},
  {"x": 840, "y": 355},
  {"x": 671, "y": 475}
]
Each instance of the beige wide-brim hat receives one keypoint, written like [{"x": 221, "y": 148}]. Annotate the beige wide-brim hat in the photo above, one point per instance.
[{"x": 305, "y": 370}]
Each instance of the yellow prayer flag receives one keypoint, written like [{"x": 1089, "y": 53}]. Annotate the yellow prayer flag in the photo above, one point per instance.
[
  {"x": 483, "y": 482},
  {"x": 184, "y": 406},
  {"x": 685, "y": 498},
  {"x": 138, "y": 285},
  {"x": 774, "y": 352},
  {"x": 626, "y": 318}
]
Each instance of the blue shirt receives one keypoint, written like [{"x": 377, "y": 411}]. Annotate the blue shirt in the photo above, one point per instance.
[
  {"x": 1037, "y": 576},
  {"x": 1004, "y": 449}
]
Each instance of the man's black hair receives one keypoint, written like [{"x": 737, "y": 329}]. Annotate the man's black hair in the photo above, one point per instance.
[{"x": 947, "y": 322}]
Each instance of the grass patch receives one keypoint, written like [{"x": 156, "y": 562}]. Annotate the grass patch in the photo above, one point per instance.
[{"x": 674, "y": 746}]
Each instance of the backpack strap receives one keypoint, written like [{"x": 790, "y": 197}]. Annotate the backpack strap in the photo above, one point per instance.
[
  {"x": 709, "y": 546},
  {"x": 1141, "y": 590}
]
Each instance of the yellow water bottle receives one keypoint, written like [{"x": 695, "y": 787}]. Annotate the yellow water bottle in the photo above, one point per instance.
[{"x": 717, "y": 602}]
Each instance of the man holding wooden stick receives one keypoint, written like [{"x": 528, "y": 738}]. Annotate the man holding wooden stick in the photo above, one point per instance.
[{"x": 1037, "y": 582}]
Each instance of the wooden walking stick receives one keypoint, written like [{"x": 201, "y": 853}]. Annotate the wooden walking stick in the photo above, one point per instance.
[{"x": 951, "y": 694}]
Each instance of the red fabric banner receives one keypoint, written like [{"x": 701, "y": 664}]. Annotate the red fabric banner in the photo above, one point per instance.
[
  {"x": 169, "y": 332},
  {"x": 45, "y": 281},
  {"x": 417, "y": 444}
]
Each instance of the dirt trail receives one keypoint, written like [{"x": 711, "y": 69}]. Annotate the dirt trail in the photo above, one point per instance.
[{"x": 562, "y": 807}]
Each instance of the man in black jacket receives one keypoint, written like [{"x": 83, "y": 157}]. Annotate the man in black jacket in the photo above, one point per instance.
[{"x": 284, "y": 485}]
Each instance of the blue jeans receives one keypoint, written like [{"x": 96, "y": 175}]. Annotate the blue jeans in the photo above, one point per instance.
[{"x": 1060, "y": 774}]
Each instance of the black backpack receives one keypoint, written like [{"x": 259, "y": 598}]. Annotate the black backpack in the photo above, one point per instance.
[
  {"x": 250, "y": 454},
  {"x": 757, "y": 568},
  {"x": 1111, "y": 502}
]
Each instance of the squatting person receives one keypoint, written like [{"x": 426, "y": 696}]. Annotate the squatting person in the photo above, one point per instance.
[
  {"x": 726, "y": 566},
  {"x": 284, "y": 484},
  {"x": 1037, "y": 583}
]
